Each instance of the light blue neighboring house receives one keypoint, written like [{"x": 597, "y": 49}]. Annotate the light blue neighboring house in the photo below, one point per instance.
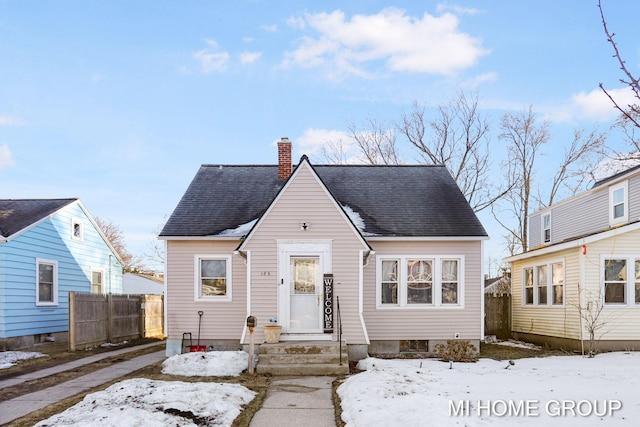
[{"x": 49, "y": 247}]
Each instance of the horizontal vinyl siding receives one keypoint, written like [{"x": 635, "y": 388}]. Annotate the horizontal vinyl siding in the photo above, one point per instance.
[
  {"x": 304, "y": 200},
  {"x": 620, "y": 322},
  {"x": 634, "y": 198},
  {"x": 51, "y": 240},
  {"x": 221, "y": 319},
  {"x": 429, "y": 323},
  {"x": 556, "y": 321}
]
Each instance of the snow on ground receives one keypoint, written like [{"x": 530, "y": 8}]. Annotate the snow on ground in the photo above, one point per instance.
[
  {"x": 10, "y": 358},
  {"x": 142, "y": 402},
  {"x": 561, "y": 390},
  {"x": 519, "y": 344},
  {"x": 205, "y": 364}
]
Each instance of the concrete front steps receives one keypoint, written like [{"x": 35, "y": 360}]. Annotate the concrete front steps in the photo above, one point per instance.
[{"x": 303, "y": 358}]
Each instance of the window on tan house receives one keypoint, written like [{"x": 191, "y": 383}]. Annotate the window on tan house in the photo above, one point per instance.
[
  {"x": 412, "y": 281},
  {"x": 213, "y": 277}
]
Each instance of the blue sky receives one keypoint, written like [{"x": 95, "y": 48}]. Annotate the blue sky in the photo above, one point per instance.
[{"x": 118, "y": 103}]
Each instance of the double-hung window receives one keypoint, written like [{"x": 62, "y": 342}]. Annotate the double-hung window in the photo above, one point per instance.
[
  {"x": 97, "y": 281},
  {"x": 618, "y": 205},
  {"x": 420, "y": 281},
  {"x": 213, "y": 277},
  {"x": 615, "y": 280},
  {"x": 47, "y": 282},
  {"x": 546, "y": 228},
  {"x": 543, "y": 284}
]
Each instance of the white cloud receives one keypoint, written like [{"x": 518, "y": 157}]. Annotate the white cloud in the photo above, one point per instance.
[
  {"x": 597, "y": 106},
  {"x": 429, "y": 44},
  {"x": 460, "y": 10},
  {"x": 211, "y": 61},
  {"x": 312, "y": 142},
  {"x": 10, "y": 121},
  {"x": 249, "y": 57},
  {"x": 478, "y": 80},
  {"x": 5, "y": 157},
  {"x": 269, "y": 28}
]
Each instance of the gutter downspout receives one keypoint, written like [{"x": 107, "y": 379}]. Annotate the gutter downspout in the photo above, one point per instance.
[
  {"x": 247, "y": 257},
  {"x": 361, "y": 294}
]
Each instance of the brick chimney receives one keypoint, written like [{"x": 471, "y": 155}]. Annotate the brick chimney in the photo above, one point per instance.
[{"x": 284, "y": 158}]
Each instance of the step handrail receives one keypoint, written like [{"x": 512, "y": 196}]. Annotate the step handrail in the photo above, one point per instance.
[{"x": 339, "y": 318}]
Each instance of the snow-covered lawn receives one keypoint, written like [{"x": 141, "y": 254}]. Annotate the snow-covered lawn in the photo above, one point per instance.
[
  {"x": 10, "y": 358},
  {"x": 559, "y": 390},
  {"x": 144, "y": 402}
]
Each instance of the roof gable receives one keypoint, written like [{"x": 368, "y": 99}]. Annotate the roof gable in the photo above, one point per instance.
[
  {"x": 17, "y": 215},
  {"x": 305, "y": 166},
  {"x": 390, "y": 201}
]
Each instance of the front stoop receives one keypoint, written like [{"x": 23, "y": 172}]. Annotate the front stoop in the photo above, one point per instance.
[{"x": 303, "y": 358}]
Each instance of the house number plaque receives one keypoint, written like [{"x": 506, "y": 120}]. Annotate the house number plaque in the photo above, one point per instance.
[{"x": 328, "y": 303}]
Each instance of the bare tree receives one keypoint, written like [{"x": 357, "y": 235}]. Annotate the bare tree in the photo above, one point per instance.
[
  {"x": 457, "y": 138},
  {"x": 376, "y": 143},
  {"x": 524, "y": 138},
  {"x": 114, "y": 234},
  {"x": 578, "y": 164},
  {"x": 630, "y": 112},
  {"x": 590, "y": 309},
  {"x": 335, "y": 152}
]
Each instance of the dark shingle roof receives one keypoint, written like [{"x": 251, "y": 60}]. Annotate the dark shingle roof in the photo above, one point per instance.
[
  {"x": 420, "y": 201},
  {"x": 17, "y": 214}
]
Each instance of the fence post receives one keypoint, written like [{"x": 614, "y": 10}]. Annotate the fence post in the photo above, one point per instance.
[
  {"x": 72, "y": 321},
  {"x": 142, "y": 300},
  {"x": 109, "y": 317}
]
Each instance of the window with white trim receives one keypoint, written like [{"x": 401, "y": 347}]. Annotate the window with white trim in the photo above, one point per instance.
[
  {"x": 97, "y": 281},
  {"x": 420, "y": 281},
  {"x": 546, "y": 228},
  {"x": 527, "y": 275},
  {"x": 618, "y": 203},
  {"x": 543, "y": 284},
  {"x": 47, "y": 282},
  {"x": 77, "y": 232},
  {"x": 637, "y": 280},
  {"x": 213, "y": 277},
  {"x": 615, "y": 280}
]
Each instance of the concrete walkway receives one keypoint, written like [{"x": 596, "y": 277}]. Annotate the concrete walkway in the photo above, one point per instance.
[
  {"x": 25, "y": 404},
  {"x": 297, "y": 401}
]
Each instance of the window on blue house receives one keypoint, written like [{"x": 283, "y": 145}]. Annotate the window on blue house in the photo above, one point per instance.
[{"x": 47, "y": 282}]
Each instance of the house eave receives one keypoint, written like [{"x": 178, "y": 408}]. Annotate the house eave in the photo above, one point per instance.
[
  {"x": 423, "y": 238},
  {"x": 575, "y": 243},
  {"x": 231, "y": 238}
]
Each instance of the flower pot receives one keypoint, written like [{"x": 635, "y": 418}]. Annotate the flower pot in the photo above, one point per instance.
[{"x": 272, "y": 333}]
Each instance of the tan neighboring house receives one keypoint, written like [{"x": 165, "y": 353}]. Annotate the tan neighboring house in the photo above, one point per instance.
[
  {"x": 392, "y": 254},
  {"x": 583, "y": 271}
]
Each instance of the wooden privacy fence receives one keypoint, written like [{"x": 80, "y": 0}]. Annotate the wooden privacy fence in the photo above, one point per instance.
[
  {"x": 497, "y": 315},
  {"x": 96, "y": 319}
]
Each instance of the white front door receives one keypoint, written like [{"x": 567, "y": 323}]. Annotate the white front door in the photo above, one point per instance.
[
  {"x": 305, "y": 294},
  {"x": 302, "y": 266}
]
